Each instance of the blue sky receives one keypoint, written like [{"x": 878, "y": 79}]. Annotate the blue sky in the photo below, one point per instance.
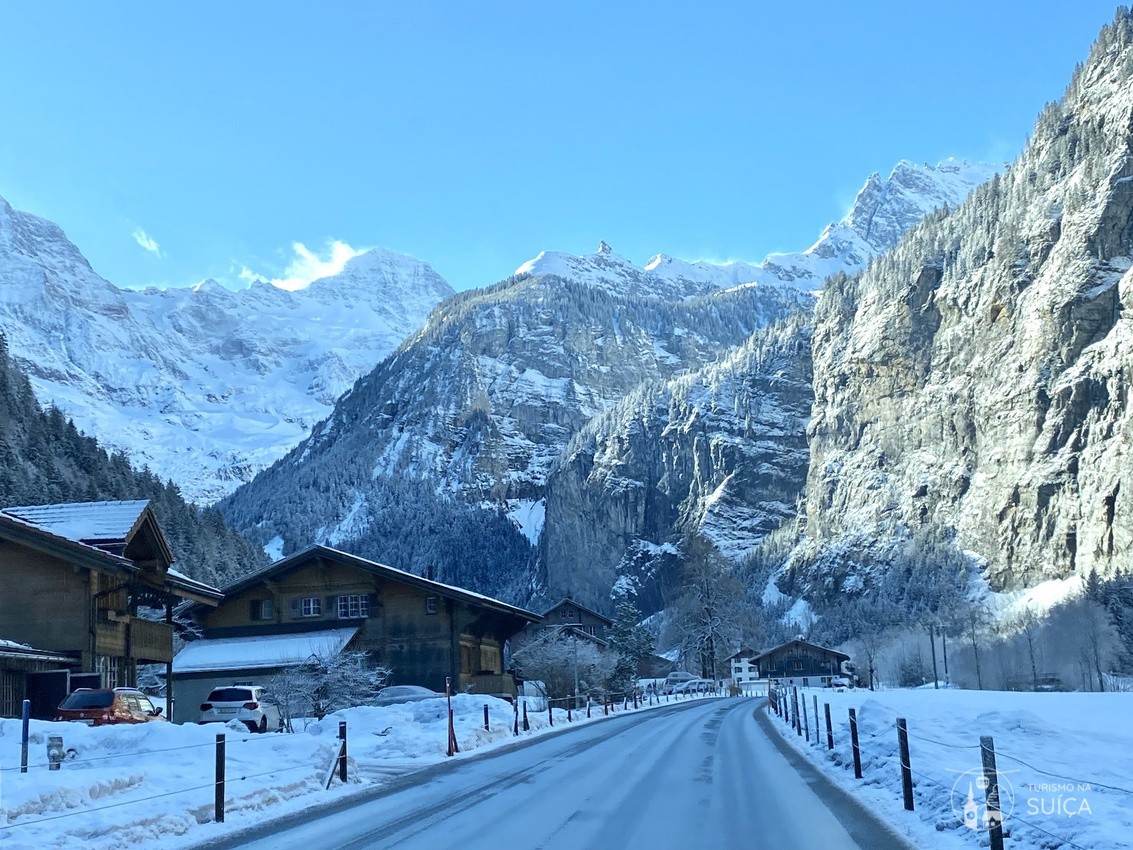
[{"x": 174, "y": 145}]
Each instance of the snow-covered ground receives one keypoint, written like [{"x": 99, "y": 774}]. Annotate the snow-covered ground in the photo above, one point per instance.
[
  {"x": 153, "y": 785},
  {"x": 1056, "y": 754}
]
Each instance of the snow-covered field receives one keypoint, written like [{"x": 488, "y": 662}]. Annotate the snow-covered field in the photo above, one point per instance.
[
  {"x": 1056, "y": 753},
  {"x": 153, "y": 785}
]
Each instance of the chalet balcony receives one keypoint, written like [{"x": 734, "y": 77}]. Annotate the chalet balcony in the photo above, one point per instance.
[
  {"x": 496, "y": 684},
  {"x": 110, "y": 638},
  {"x": 149, "y": 642}
]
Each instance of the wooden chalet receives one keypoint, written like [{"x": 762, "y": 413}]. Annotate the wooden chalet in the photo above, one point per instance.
[
  {"x": 322, "y": 600},
  {"x": 80, "y": 575}
]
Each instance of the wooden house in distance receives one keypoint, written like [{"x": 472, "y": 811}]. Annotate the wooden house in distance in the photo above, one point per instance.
[
  {"x": 799, "y": 663},
  {"x": 321, "y": 601},
  {"x": 78, "y": 575},
  {"x": 568, "y": 616}
]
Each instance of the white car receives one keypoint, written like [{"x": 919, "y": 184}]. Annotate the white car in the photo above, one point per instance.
[{"x": 244, "y": 703}]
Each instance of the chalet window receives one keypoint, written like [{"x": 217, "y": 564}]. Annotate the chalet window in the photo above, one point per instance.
[
  {"x": 569, "y": 614},
  {"x": 353, "y": 606},
  {"x": 797, "y": 665},
  {"x": 311, "y": 606},
  {"x": 430, "y": 605},
  {"x": 260, "y": 609}
]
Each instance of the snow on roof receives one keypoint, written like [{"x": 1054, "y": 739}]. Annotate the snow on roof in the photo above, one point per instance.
[
  {"x": 259, "y": 651},
  {"x": 84, "y": 521}
]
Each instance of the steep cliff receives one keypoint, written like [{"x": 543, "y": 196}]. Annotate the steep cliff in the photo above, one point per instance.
[
  {"x": 975, "y": 380},
  {"x": 721, "y": 451}
]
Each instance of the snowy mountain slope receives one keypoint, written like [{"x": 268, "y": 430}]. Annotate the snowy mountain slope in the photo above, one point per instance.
[
  {"x": 485, "y": 397},
  {"x": 882, "y": 212},
  {"x": 204, "y": 385},
  {"x": 974, "y": 381}
]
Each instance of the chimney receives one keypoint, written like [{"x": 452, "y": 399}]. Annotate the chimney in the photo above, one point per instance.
[{"x": 431, "y": 572}]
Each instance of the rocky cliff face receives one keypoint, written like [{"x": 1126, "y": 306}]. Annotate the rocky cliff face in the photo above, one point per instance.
[
  {"x": 721, "y": 450},
  {"x": 485, "y": 398},
  {"x": 976, "y": 379},
  {"x": 203, "y": 385}
]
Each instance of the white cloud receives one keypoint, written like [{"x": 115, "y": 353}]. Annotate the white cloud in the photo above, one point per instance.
[
  {"x": 308, "y": 266},
  {"x": 147, "y": 242}
]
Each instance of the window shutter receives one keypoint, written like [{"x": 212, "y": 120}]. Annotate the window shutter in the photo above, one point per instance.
[
  {"x": 373, "y": 604},
  {"x": 332, "y": 607},
  {"x": 254, "y": 609}
]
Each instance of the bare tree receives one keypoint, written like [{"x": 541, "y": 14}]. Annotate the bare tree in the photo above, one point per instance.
[
  {"x": 327, "y": 681},
  {"x": 554, "y": 658},
  {"x": 710, "y": 615}
]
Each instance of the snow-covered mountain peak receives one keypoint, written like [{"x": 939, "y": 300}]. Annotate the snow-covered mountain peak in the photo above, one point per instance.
[
  {"x": 203, "y": 384},
  {"x": 883, "y": 210},
  {"x": 31, "y": 238}
]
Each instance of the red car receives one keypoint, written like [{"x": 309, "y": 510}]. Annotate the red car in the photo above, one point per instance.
[{"x": 104, "y": 707}]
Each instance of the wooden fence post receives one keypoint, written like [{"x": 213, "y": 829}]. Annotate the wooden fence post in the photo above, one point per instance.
[
  {"x": 526, "y": 725},
  {"x": 854, "y": 744},
  {"x": 994, "y": 812},
  {"x": 816, "y": 730},
  {"x": 806, "y": 722},
  {"x": 829, "y": 728},
  {"x": 906, "y": 767},
  {"x": 487, "y": 728}
]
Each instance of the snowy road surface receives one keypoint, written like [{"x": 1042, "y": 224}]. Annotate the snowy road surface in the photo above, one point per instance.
[{"x": 703, "y": 776}]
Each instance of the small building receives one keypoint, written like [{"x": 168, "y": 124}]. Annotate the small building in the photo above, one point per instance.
[
  {"x": 742, "y": 667},
  {"x": 323, "y": 601},
  {"x": 567, "y": 615},
  {"x": 799, "y": 663},
  {"x": 82, "y": 575}
]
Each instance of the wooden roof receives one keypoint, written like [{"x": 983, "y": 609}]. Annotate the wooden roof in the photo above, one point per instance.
[
  {"x": 312, "y": 553},
  {"x": 801, "y": 642}
]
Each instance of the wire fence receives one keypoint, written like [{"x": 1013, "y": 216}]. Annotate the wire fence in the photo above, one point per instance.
[{"x": 791, "y": 708}]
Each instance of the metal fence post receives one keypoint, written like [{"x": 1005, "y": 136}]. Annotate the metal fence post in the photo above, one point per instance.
[
  {"x": 26, "y": 715},
  {"x": 342, "y": 751},
  {"x": 994, "y": 813},
  {"x": 854, "y": 744},
  {"x": 829, "y": 728},
  {"x": 218, "y": 796},
  {"x": 906, "y": 767},
  {"x": 487, "y": 728}
]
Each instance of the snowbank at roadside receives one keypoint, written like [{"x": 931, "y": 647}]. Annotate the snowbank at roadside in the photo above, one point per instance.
[
  {"x": 1055, "y": 752},
  {"x": 152, "y": 785}
]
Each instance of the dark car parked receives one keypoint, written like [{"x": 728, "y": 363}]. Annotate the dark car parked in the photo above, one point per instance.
[{"x": 106, "y": 706}]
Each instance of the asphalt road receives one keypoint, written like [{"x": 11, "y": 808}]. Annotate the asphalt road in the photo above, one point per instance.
[{"x": 701, "y": 776}]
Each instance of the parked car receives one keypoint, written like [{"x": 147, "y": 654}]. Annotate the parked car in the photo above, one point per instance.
[
  {"x": 694, "y": 686},
  {"x": 675, "y": 679},
  {"x": 396, "y": 694},
  {"x": 840, "y": 683},
  {"x": 245, "y": 703},
  {"x": 108, "y": 706}
]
